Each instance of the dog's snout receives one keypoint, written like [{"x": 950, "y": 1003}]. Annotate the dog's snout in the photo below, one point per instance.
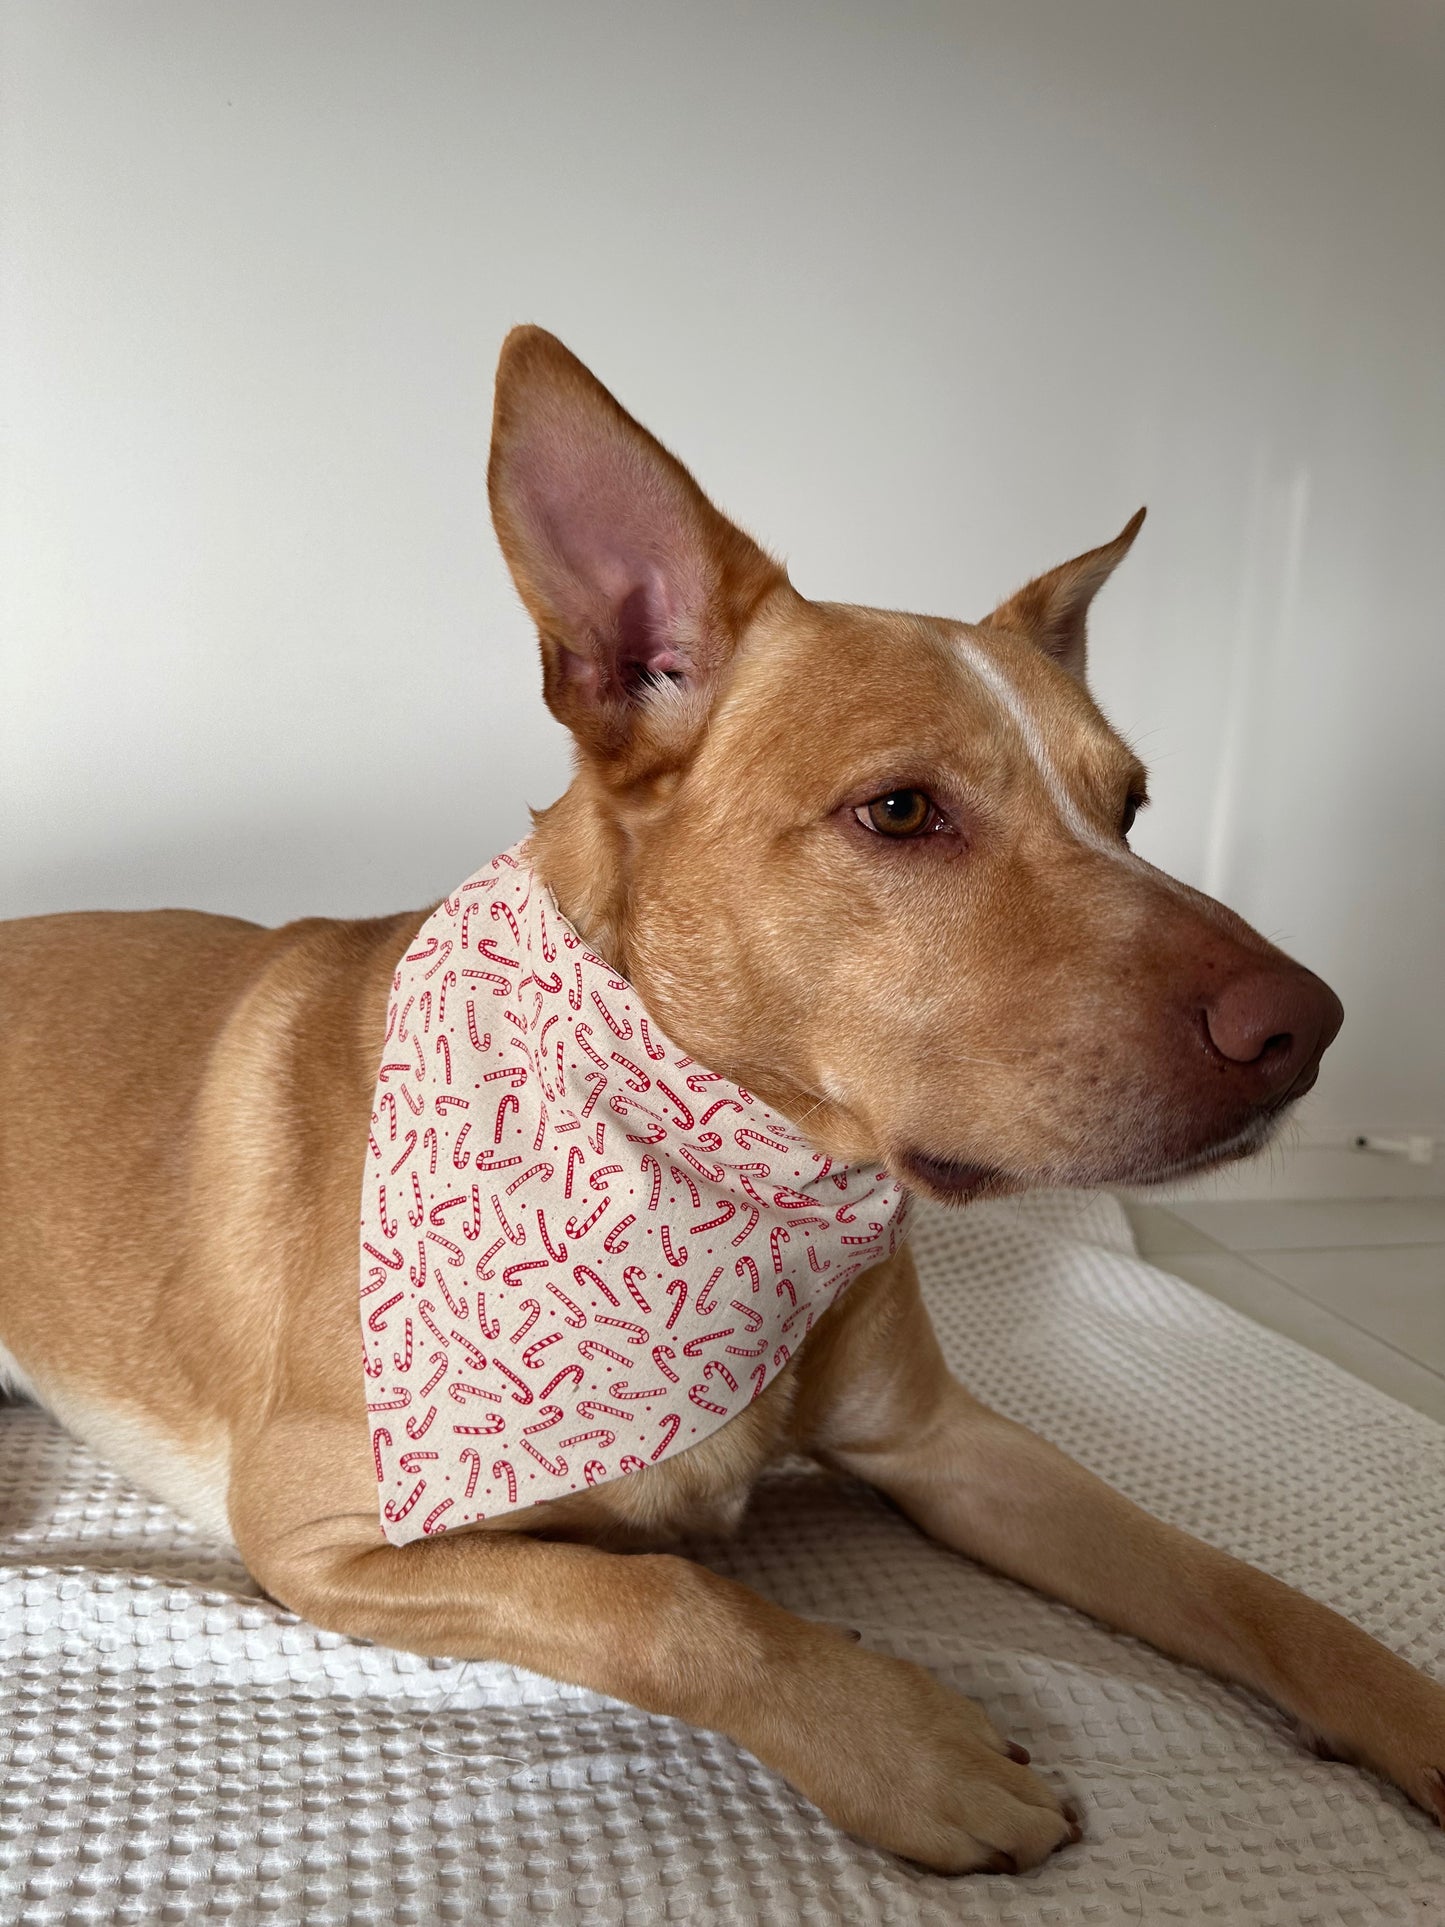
[{"x": 1275, "y": 1023}]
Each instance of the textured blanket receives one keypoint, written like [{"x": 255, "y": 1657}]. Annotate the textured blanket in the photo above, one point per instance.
[{"x": 178, "y": 1748}]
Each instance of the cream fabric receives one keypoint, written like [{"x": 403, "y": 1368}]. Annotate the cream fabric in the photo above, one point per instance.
[{"x": 580, "y": 1250}]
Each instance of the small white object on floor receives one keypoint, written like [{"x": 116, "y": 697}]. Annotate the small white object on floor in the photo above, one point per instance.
[{"x": 176, "y": 1747}]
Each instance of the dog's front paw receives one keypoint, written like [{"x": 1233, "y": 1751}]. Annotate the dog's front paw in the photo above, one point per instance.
[
  {"x": 899, "y": 1760},
  {"x": 1394, "y": 1723}
]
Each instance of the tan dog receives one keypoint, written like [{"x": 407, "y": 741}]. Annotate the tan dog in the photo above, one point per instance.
[{"x": 188, "y": 1100}]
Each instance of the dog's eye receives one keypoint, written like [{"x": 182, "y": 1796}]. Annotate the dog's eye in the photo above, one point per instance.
[
  {"x": 1132, "y": 806},
  {"x": 900, "y": 813}
]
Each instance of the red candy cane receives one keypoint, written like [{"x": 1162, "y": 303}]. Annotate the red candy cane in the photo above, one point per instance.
[
  {"x": 558, "y": 1471},
  {"x": 509, "y": 1102},
  {"x": 487, "y": 1257},
  {"x": 477, "y": 1358},
  {"x": 753, "y": 1319},
  {"x": 706, "y": 1303},
  {"x": 682, "y": 1116},
  {"x": 491, "y": 1329},
  {"x": 460, "y": 1391},
  {"x": 590, "y": 1407},
  {"x": 542, "y": 1171},
  {"x": 388, "y": 1224},
  {"x": 726, "y": 1212},
  {"x": 636, "y": 1335},
  {"x": 576, "y": 1317},
  {"x": 419, "y": 1430},
  {"x": 681, "y": 1177},
  {"x": 660, "y": 1356},
  {"x": 676, "y": 1258},
  {"x": 614, "y": 1241},
  {"x": 585, "y": 1438},
  {"x": 532, "y": 1311},
  {"x": 635, "y": 1077},
  {"x": 723, "y": 1104},
  {"x": 581, "y": 1272},
  {"x": 745, "y": 1268},
  {"x": 536, "y": 1348},
  {"x": 375, "y": 1320},
  {"x": 522, "y": 1393},
  {"x": 677, "y": 1291},
  {"x": 472, "y": 1229},
  {"x": 410, "y": 1146},
  {"x": 620, "y": 1031},
  {"x": 475, "y": 1456},
  {"x": 516, "y": 1233},
  {"x": 429, "y": 1145},
  {"x": 693, "y": 1347},
  {"x": 377, "y": 1436},
  {"x": 427, "y": 1312},
  {"x": 715, "y": 1368},
  {"x": 631, "y": 1463},
  {"x": 778, "y": 1237},
  {"x": 557, "y": 1253},
  {"x": 656, "y": 1180},
  {"x": 513, "y": 1272},
  {"x": 481, "y": 1045},
  {"x": 760, "y": 1379},
  {"x": 502, "y": 1469},
  {"x": 439, "y": 1361},
  {"x": 698, "y": 1395},
  {"x": 748, "y": 1229},
  {"x": 654, "y": 1051},
  {"x": 396, "y": 1513},
  {"x": 631, "y": 1277},
  {"x": 411, "y": 1462},
  {"x": 550, "y": 1415},
  {"x": 402, "y": 1359},
  {"x": 671, "y": 1425},
  {"x": 398, "y": 1402},
  {"x": 574, "y": 1372},
  {"x": 618, "y": 1389},
  {"x": 743, "y": 1139},
  {"x": 580, "y": 1230},
  {"x": 495, "y": 1423},
  {"x": 594, "y": 1471},
  {"x": 417, "y": 1211},
  {"x": 592, "y": 1348},
  {"x": 575, "y": 1151},
  {"x": 460, "y": 1154}
]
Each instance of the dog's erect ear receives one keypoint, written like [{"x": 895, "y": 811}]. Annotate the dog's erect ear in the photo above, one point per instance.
[
  {"x": 1051, "y": 610},
  {"x": 634, "y": 580}
]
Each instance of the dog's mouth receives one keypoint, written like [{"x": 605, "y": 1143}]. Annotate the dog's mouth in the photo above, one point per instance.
[{"x": 950, "y": 1180}]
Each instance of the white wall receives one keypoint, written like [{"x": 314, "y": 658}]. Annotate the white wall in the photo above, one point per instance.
[{"x": 930, "y": 295}]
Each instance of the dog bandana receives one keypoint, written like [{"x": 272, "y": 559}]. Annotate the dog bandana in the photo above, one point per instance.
[{"x": 580, "y": 1251}]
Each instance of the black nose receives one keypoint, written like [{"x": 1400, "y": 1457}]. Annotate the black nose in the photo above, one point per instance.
[{"x": 1275, "y": 1025}]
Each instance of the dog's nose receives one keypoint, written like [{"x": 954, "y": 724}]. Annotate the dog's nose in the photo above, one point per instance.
[{"x": 1277, "y": 1024}]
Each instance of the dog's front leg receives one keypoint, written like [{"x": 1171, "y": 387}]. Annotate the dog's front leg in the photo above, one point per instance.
[
  {"x": 878, "y": 1400},
  {"x": 877, "y": 1743}
]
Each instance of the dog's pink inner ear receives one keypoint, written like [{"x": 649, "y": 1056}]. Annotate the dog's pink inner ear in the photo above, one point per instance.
[
  {"x": 630, "y": 573},
  {"x": 1052, "y": 610}
]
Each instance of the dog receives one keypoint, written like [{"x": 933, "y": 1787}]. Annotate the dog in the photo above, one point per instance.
[{"x": 873, "y": 869}]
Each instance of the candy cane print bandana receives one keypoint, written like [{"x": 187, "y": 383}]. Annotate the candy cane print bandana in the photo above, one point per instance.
[{"x": 580, "y": 1251}]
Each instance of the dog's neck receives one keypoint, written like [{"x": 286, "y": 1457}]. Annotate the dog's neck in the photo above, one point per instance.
[{"x": 580, "y": 848}]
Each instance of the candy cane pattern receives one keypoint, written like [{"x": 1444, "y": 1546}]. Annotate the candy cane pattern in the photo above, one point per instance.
[{"x": 629, "y": 1182}]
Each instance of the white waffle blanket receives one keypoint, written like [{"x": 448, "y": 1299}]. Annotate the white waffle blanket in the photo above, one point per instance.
[{"x": 177, "y": 1748}]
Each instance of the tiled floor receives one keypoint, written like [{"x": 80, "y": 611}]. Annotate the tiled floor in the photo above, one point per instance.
[{"x": 1362, "y": 1282}]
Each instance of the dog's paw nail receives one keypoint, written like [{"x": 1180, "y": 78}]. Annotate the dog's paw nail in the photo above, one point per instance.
[
  {"x": 1019, "y": 1753},
  {"x": 1070, "y": 1813},
  {"x": 1000, "y": 1862}
]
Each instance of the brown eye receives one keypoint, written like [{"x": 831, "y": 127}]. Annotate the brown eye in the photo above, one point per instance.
[
  {"x": 1132, "y": 806},
  {"x": 900, "y": 813}
]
